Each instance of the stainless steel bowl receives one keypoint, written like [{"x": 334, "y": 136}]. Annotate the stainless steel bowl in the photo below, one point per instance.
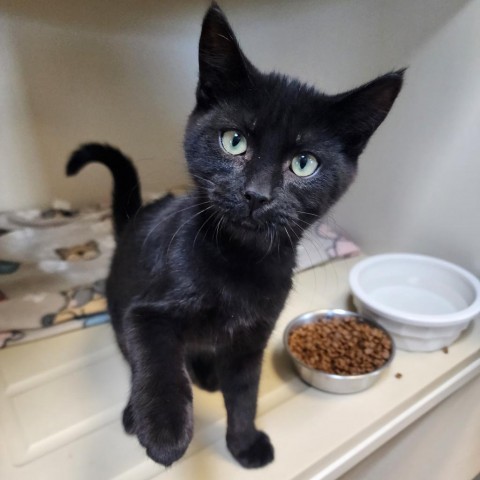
[{"x": 330, "y": 382}]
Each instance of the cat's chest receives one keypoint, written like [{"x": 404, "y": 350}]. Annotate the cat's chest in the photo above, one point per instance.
[
  {"x": 235, "y": 313},
  {"x": 226, "y": 296},
  {"x": 248, "y": 282},
  {"x": 249, "y": 296}
]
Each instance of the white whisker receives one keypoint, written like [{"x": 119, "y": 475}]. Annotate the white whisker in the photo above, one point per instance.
[
  {"x": 202, "y": 178},
  {"x": 164, "y": 219},
  {"x": 184, "y": 223},
  {"x": 195, "y": 239}
]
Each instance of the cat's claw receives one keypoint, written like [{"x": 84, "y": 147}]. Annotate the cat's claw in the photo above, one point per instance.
[{"x": 255, "y": 453}]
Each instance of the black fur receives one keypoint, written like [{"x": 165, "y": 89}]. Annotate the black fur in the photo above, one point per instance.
[
  {"x": 126, "y": 192},
  {"x": 197, "y": 282}
]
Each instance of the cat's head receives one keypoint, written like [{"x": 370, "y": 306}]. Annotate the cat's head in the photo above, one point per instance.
[{"x": 269, "y": 153}]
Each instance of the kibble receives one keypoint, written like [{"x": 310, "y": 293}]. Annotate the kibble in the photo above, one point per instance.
[{"x": 342, "y": 346}]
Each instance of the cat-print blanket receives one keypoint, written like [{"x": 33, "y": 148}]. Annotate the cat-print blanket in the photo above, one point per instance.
[{"x": 53, "y": 265}]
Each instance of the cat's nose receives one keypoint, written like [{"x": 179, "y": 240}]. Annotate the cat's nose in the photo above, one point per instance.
[{"x": 256, "y": 199}]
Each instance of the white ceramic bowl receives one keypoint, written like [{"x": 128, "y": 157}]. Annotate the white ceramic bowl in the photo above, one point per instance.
[{"x": 424, "y": 302}]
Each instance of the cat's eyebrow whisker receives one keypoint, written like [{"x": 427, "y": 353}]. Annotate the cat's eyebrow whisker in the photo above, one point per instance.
[{"x": 202, "y": 178}]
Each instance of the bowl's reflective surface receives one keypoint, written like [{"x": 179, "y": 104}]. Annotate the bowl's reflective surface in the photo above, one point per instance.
[{"x": 327, "y": 381}]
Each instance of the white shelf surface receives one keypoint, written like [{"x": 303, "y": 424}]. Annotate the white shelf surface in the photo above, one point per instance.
[{"x": 61, "y": 400}]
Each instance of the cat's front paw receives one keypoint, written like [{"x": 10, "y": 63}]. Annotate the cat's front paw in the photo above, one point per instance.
[
  {"x": 165, "y": 437},
  {"x": 252, "y": 451}
]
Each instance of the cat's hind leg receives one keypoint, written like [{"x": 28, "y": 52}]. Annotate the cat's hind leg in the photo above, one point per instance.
[
  {"x": 127, "y": 416},
  {"x": 202, "y": 370}
]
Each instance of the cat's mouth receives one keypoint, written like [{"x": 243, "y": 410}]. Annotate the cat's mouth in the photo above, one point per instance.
[
  {"x": 241, "y": 219},
  {"x": 249, "y": 224},
  {"x": 246, "y": 223}
]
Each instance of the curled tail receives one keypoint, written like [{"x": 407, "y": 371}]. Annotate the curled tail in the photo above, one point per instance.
[{"x": 126, "y": 187}]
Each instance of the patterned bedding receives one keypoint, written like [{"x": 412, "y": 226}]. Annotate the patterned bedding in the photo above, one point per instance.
[{"x": 53, "y": 265}]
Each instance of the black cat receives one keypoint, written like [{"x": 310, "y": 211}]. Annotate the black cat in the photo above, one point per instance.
[{"x": 197, "y": 282}]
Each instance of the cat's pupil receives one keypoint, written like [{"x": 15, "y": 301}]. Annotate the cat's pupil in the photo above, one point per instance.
[
  {"x": 236, "y": 140},
  {"x": 303, "y": 161}
]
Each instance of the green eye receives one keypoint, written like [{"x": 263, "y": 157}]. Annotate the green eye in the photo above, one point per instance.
[
  {"x": 233, "y": 142},
  {"x": 304, "y": 165}
]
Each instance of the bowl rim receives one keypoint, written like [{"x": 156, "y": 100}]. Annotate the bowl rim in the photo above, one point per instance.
[
  {"x": 418, "y": 319},
  {"x": 306, "y": 317}
]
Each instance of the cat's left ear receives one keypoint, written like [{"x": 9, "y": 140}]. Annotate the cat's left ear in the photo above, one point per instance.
[
  {"x": 224, "y": 69},
  {"x": 355, "y": 115}
]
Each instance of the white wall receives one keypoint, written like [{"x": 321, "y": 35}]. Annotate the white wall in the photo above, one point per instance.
[
  {"x": 83, "y": 83},
  {"x": 22, "y": 176},
  {"x": 419, "y": 183},
  {"x": 125, "y": 72}
]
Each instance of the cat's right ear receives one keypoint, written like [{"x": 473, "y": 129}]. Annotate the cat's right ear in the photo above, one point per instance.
[{"x": 223, "y": 68}]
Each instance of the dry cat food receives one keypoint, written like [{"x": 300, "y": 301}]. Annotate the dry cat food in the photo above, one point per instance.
[{"x": 343, "y": 346}]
